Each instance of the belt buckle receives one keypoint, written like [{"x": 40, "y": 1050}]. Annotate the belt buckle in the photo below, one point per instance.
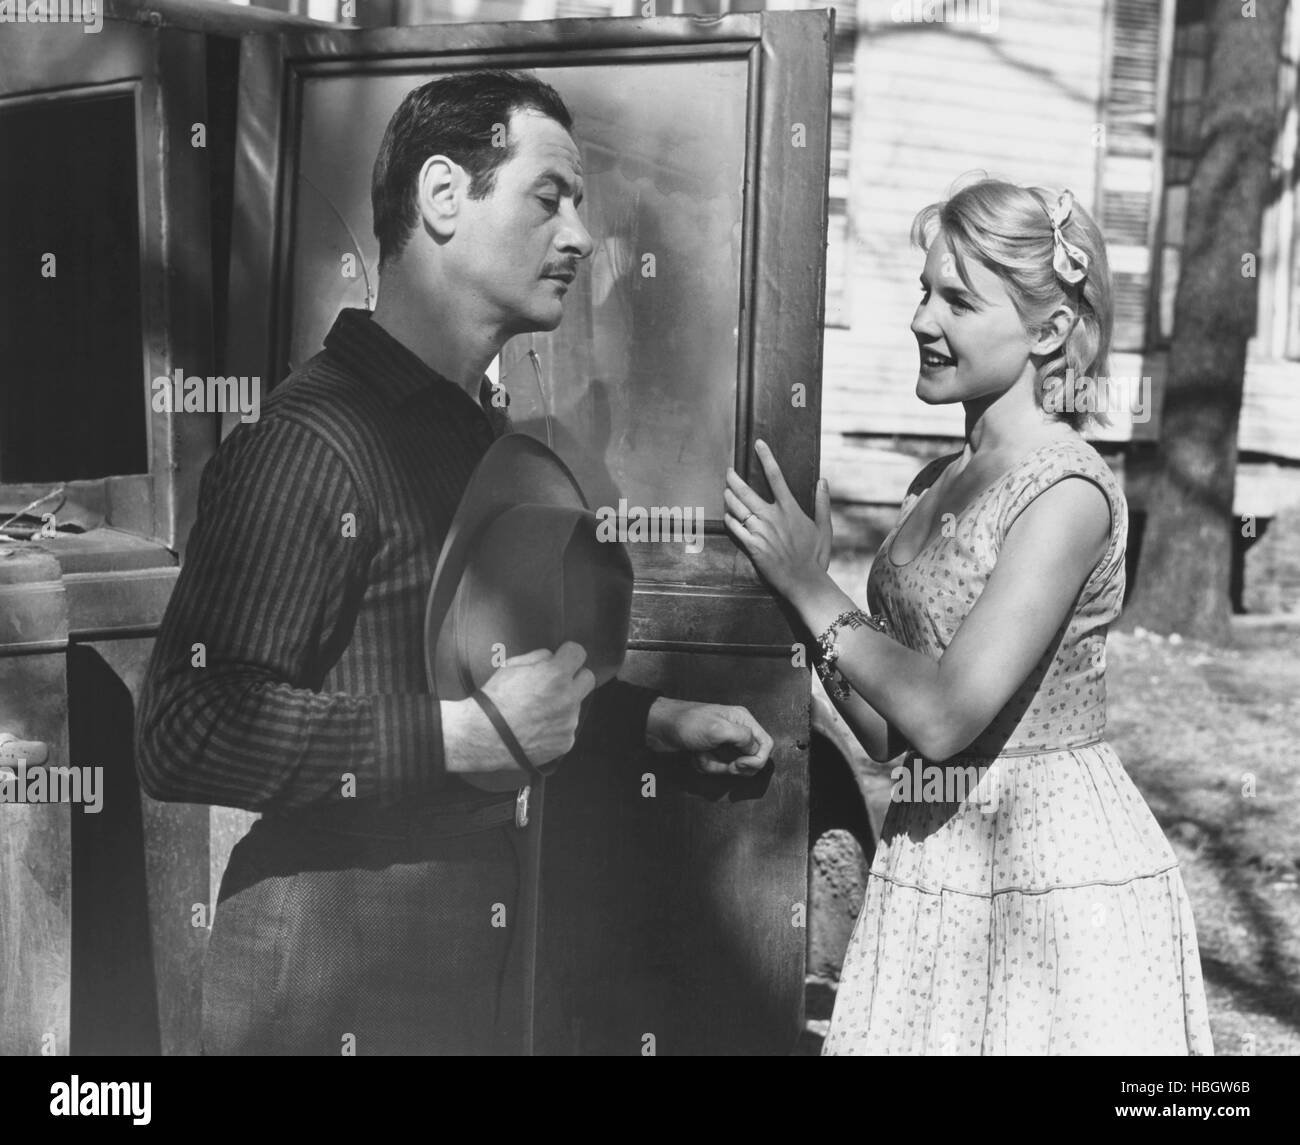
[{"x": 521, "y": 806}]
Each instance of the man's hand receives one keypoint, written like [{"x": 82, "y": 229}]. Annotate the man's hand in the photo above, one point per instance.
[
  {"x": 538, "y": 694},
  {"x": 722, "y": 739}
]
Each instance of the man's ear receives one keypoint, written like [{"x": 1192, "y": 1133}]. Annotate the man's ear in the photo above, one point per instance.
[
  {"x": 439, "y": 189},
  {"x": 1051, "y": 335}
]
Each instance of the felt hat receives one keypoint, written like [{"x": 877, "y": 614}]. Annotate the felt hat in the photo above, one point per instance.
[{"x": 523, "y": 568}]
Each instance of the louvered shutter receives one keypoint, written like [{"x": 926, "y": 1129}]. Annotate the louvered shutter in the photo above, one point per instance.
[{"x": 1130, "y": 163}]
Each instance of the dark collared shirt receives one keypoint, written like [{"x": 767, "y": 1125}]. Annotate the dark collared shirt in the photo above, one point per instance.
[{"x": 289, "y": 669}]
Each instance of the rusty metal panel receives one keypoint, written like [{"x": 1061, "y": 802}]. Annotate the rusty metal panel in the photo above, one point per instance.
[
  {"x": 35, "y": 874},
  {"x": 77, "y": 611},
  {"x": 254, "y": 227},
  {"x": 35, "y": 838},
  {"x": 674, "y": 904},
  {"x": 140, "y": 869},
  {"x": 211, "y": 17},
  {"x": 793, "y": 211},
  {"x": 163, "y": 72},
  {"x": 96, "y": 904},
  {"x": 182, "y": 442},
  {"x": 118, "y": 603}
]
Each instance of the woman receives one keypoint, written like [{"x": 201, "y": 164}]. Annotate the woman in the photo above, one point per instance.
[{"x": 1022, "y": 899}]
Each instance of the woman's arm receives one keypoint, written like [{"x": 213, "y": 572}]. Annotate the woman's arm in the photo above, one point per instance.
[
  {"x": 877, "y": 736},
  {"x": 939, "y": 707}
]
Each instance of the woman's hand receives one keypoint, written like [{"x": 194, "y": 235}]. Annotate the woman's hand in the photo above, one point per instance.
[{"x": 790, "y": 551}]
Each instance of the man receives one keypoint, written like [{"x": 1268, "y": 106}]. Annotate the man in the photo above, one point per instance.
[{"x": 370, "y": 909}]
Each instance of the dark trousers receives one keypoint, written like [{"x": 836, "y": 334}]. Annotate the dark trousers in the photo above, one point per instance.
[{"x": 329, "y": 941}]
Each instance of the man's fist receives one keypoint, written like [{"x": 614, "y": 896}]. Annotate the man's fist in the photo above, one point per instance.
[{"x": 722, "y": 739}]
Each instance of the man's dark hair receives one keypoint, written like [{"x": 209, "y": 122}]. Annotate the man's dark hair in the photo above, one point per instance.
[{"x": 458, "y": 117}]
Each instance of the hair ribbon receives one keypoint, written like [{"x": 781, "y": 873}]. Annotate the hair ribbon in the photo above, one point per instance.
[{"x": 1068, "y": 260}]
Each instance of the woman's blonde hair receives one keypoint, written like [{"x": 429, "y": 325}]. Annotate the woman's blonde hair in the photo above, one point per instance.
[{"x": 1010, "y": 230}]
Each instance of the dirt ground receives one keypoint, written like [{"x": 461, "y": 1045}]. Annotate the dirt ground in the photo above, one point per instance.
[{"x": 1211, "y": 737}]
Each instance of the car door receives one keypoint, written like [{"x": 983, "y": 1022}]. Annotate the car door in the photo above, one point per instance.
[{"x": 672, "y": 906}]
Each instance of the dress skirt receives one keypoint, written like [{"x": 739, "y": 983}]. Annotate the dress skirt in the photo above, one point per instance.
[{"x": 1040, "y": 911}]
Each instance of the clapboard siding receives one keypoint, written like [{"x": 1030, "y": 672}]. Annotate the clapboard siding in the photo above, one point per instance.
[
  {"x": 838, "y": 232},
  {"x": 864, "y": 474},
  {"x": 885, "y": 403},
  {"x": 1270, "y": 411},
  {"x": 1064, "y": 159},
  {"x": 1026, "y": 110},
  {"x": 950, "y": 58},
  {"x": 933, "y": 167}
]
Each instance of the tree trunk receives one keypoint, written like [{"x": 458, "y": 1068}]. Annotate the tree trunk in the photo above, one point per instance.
[{"x": 1187, "y": 550}]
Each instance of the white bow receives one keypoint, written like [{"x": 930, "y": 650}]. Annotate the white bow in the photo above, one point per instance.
[{"x": 1069, "y": 262}]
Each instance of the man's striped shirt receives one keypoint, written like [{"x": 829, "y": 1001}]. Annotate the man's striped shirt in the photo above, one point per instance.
[{"x": 291, "y": 655}]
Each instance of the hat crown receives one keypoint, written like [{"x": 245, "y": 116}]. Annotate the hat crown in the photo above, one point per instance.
[
  {"x": 539, "y": 576},
  {"x": 523, "y": 568}
]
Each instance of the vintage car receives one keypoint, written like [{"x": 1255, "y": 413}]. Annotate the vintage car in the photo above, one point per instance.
[{"x": 195, "y": 205}]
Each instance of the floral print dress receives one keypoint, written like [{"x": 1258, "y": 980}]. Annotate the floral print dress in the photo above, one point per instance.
[{"x": 1026, "y": 901}]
